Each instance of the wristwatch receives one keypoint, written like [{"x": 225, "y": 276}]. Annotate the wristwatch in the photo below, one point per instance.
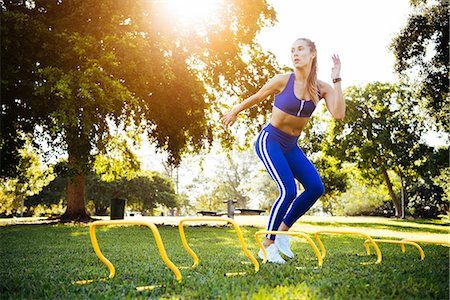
[{"x": 337, "y": 79}]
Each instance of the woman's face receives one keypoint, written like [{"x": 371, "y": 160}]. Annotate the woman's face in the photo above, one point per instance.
[{"x": 301, "y": 54}]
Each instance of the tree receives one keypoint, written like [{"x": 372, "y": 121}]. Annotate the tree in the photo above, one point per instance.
[
  {"x": 206, "y": 202},
  {"x": 421, "y": 51},
  {"x": 142, "y": 192},
  {"x": 149, "y": 189},
  {"x": 317, "y": 144},
  {"x": 365, "y": 198},
  {"x": 264, "y": 189},
  {"x": 51, "y": 194},
  {"x": 233, "y": 178},
  {"x": 382, "y": 132},
  {"x": 443, "y": 181},
  {"x": 334, "y": 178},
  {"x": 427, "y": 193},
  {"x": 73, "y": 67},
  {"x": 30, "y": 181}
]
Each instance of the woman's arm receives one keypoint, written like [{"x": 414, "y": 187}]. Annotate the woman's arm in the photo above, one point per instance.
[
  {"x": 333, "y": 95},
  {"x": 271, "y": 87}
]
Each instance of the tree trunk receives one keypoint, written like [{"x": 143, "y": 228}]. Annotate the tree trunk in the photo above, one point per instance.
[
  {"x": 403, "y": 196},
  {"x": 75, "y": 199},
  {"x": 394, "y": 197},
  {"x": 78, "y": 149}
]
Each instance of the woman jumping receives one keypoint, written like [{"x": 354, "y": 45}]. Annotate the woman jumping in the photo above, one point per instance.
[{"x": 296, "y": 96}]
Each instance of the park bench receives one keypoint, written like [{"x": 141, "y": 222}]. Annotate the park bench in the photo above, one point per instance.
[
  {"x": 207, "y": 213},
  {"x": 249, "y": 212}
]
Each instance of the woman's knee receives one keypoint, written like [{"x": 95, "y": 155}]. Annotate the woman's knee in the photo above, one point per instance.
[
  {"x": 317, "y": 189},
  {"x": 291, "y": 194}
]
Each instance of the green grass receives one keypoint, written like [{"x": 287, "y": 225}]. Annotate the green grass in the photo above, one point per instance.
[{"x": 45, "y": 261}]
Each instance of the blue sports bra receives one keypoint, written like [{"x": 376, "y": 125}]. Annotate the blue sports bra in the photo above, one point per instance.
[{"x": 290, "y": 104}]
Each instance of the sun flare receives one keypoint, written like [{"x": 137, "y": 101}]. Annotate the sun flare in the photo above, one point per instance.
[{"x": 192, "y": 11}]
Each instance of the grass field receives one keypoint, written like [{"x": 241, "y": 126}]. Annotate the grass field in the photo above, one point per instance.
[{"x": 47, "y": 261}]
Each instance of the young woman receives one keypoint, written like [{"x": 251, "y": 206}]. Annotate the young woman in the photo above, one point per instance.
[{"x": 296, "y": 96}]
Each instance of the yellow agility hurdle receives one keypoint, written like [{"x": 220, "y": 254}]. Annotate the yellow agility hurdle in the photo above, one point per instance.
[
  {"x": 322, "y": 248},
  {"x": 401, "y": 243},
  {"x": 214, "y": 219},
  {"x": 427, "y": 242},
  {"x": 154, "y": 229},
  {"x": 291, "y": 233}
]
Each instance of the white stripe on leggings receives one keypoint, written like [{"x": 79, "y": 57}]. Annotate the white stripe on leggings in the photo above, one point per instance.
[{"x": 277, "y": 179}]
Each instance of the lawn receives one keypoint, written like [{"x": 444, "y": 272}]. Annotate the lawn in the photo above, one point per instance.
[{"x": 58, "y": 262}]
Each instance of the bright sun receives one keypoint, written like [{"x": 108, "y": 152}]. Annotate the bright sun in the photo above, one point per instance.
[{"x": 192, "y": 11}]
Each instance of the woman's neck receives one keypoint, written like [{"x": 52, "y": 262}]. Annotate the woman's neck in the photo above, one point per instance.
[{"x": 302, "y": 74}]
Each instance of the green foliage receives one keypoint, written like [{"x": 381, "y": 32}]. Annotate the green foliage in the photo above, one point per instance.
[
  {"x": 89, "y": 63},
  {"x": 265, "y": 189},
  {"x": 421, "y": 50},
  {"x": 425, "y": 200},
  {"x": 31, "y": 179},
  {"x": 334, "y": 178},
  {"x": 382, "y": 132},
  {"x": 427, "y": 193},
  {"x": 443, "y": 181},
  {"x": 45, "y": 262},
  {"x": 363, "y": 197},
  {"x": 207, "y": 202},
  {"x": 232, "y": 178},
  {"x": 380, "y": 129},
  {"x": 142, "y": 192},
  {"x": 117, "y": 161},
  {"x": 51, "y": 194},
  {"x": 74, "y": 68}
]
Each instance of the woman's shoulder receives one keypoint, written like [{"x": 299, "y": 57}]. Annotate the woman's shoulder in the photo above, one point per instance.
[
  {"x": 281, "y": 79},
  {"x": 284, "y": 76},
  {"x": 322, "y": 85}
]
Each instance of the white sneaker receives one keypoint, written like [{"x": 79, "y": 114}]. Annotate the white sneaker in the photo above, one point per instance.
[
  {"x": 283, "y": 243},
  {"x": 272, "y": 254}
]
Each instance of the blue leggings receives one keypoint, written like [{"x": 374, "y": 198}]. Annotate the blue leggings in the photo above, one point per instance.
[{"x": 284, "y": 161}]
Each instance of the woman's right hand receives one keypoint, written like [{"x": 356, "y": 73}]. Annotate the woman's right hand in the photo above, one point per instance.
[{"x": 229, "y": 118}]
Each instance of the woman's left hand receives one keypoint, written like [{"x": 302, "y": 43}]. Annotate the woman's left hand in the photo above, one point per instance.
[{"x": 336, "y": 69}]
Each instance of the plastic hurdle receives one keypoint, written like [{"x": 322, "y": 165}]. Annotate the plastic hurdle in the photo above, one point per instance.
[
  {"x": 427, "y": 242},
  {"x": 290, "y": 233},
  {"x": 322, "y": 248},
  {"x": 401, "y": 243},
  {"x": 154, "y": 229},
  {"x": 214, "y": 219}
]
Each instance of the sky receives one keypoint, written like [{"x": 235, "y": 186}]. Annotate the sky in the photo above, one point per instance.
[{"x": 360, "y": 31}]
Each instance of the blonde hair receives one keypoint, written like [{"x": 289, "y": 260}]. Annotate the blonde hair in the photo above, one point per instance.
[{"x": 311, "y": 82}]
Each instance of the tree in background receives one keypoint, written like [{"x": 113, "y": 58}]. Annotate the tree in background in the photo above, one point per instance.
[
  {"x": 52, "y": 194},
  {"x": 315, "y": 142},
  {"x": 363, "y": 197},
  {"x": 427, "y": 194},
  {"x": 143, "y": 192},
  {"x": 30, "y": 181},
  {"x": 382, "y": 132},
  {"x": 264, "y": 189},
  {"x": 421, "y": 51},
  {"x": 443, "y": 181},
  {"x": 234, "y": 178},
  {"x": 74, "y": 68},
  {"x": 231, "y": 179},
  {"x": 206, "y": 202},
  {"x": 334, "y": 178}
]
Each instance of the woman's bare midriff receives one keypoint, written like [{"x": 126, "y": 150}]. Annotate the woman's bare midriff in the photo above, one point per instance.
[{"x": 289, "y": 124}]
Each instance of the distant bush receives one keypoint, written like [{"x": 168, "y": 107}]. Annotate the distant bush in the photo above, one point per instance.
[{"x": 364, "y": 200}]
